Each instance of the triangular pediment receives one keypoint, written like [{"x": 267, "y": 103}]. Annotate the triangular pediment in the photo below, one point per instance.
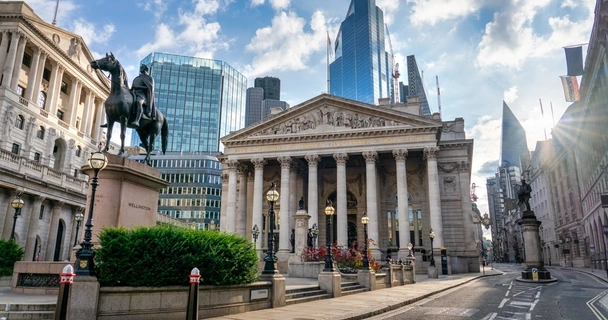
[{"x": 327, "y": 114}]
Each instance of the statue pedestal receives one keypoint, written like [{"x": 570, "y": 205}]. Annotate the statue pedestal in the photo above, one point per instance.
[
  {"x": 535, "y": 270},
  {"x": 301, "y": 233},
  {"x": 127, "y": 195}
]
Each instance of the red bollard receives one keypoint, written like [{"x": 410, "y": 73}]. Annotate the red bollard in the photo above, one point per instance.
[
  {"x": 192, "y": 312},
  {"x": 67, "y": 278}
]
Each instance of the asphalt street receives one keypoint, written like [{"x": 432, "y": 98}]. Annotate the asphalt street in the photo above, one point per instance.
[{"x": 575, "y": 296}]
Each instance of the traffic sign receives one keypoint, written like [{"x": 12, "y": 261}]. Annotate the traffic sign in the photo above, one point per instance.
[{"x": 534, "y": 274}]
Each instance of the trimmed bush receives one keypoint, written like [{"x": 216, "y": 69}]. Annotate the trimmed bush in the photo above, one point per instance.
[
  {"x": 165, "y": 255},
  {"x": 10, "y": 253}
]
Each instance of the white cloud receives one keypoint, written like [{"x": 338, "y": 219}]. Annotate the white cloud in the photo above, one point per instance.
[
  {"x": 206, "y": 7},
  {"x": 157, "y": 7},
  {"x": 280, "y": 4},
  {"x": 389, "y": 7},
  {"x": 164, "y": 38},
  {"x": 285, "y": 45},
  {"x": 433, "y": 11},
  {"x": 91, "y": 34},
  {"x": 510, "y": 95},
  {"x": 257, "y": 3},
  {"x": 45, "y": 9}
]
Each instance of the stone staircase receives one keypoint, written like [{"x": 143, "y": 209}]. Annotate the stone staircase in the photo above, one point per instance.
[
  {"x": 305, "y": 294},
  {"x": 27, "y": 311},
  {"x": 349, "y": 288}
]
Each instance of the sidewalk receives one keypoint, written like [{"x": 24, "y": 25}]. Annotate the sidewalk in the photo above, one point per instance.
[{"x": 366, "y": 304}]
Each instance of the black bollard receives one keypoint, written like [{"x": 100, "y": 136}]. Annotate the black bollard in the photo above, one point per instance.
[
  {"x": 192, "y": 312},
  {"x": 67, "y": 278}
]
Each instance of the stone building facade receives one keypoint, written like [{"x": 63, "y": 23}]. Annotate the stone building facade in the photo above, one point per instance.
[
  {"x": 382, "y": 160},
  {"x": 51, "y": 106}
]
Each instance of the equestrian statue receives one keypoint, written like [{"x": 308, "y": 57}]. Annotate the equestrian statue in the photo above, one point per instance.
[{"x": 132, "y": 108}]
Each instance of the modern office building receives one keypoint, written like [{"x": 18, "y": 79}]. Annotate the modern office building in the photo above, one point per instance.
[
  {"x": 513, "y": 143},
  {"x": 268, "y": 105},
  {"x": 253, "y": 105},
  {"x": 271, "y": 86},
  {"x": 203, "y": 99},
  {"x": 51, "y": 102},
  {"x": 415, "y": 85},
  {"x": 362, "y": 69}
]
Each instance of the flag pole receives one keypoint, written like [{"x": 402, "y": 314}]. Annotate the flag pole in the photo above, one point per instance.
[
  {"x": 328, "y": 48},
  {"x": 55, "y": 17},
  {"x": 542, "y": 113},
  {"x": 552, "y": 115}
]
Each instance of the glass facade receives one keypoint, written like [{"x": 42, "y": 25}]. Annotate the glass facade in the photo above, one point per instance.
[
  {"x": 254, "y": 106},
  {"x": 415, "y": 86},
  {"x": 203, "y": 100},
  {"x": 362, "y": 68},
  {"x": 271, "y": 86},
  {"x": 513, "y": 143}
]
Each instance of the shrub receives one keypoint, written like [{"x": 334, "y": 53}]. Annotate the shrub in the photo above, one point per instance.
[
  {"x": 165, "y": 255},
  {"x": 10, "y": 253}
]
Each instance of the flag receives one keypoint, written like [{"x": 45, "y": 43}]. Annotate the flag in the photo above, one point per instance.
[
  {"x": 571, "y": 90},
  {"x": 574, "y": 60}
]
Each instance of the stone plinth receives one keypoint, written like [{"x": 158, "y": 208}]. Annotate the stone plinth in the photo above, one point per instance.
[
  {"x": 535, "y": 270},
  {"x": 301, "y": 234},
  {"x": 367, "y": 278},
  {"x": 331, "y": 282},
  {"x": 127, "y": 195},
  {"x": 433, "y": 272}
]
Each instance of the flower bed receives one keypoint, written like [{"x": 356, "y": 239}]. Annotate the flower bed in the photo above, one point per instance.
[{"x": 347, "y": 260}]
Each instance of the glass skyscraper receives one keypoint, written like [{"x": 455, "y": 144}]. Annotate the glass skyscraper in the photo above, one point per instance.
[
  {"x": 362, "y": 68},
  {"x": 203, "y": 100},
  {"x": 416, "y": 87},
  {"x": 513, "y": 143}
]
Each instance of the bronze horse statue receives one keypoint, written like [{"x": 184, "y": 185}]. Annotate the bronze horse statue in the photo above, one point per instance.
[{"x": 120, "y": 106}]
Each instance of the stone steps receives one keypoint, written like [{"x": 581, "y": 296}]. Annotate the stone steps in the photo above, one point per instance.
[
  {"x": 349, "y": 288},
  {"x": 27, "y": 311},
  {"x": 305, "y": 294}
]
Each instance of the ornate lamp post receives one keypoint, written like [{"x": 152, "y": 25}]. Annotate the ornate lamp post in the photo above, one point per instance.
[
  {"x": 365, "y": 221},
  {"x": 79, "y": 216},
  {"x": 85, "y": 264},
  {"x": 315, "y": 233},
  {"x": 17, "y": 204},
  {"x": 329, "y": 263},
  {"x": 256, "y": 232},
  {"x": 432, "y": 236},
  {"x": 270, "y": 260}
]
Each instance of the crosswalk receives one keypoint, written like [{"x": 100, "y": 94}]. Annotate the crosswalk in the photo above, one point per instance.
[{"x": 518, "y": 303}]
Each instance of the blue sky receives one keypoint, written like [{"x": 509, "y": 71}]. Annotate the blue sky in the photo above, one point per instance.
[{"x": 484, "y": 51}]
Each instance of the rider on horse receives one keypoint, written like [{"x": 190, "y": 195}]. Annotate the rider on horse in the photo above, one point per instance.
[{"x": 143, "y": 88}]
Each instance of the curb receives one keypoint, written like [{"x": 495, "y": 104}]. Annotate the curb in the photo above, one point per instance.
[
  {"x": 410, "y": 301},
  {"x": 588, "y": 273}
]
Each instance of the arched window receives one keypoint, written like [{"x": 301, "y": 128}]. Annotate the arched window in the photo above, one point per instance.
[
  {"x": 78, "y": 151},
  {"x": 19, "y": 122},
  {"x": 40, "y": 133},
  {"x": 42, "y": 99}
]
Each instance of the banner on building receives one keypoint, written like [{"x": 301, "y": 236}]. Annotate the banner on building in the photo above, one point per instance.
[
  {"x": 574, "y": 60},
  {"x": 571, "y": 90}
]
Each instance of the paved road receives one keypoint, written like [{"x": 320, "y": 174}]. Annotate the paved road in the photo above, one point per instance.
[{"x": 575, "y": 296}]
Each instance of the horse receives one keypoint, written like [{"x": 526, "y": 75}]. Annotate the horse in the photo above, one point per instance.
[{"x": 119, "y": 107}]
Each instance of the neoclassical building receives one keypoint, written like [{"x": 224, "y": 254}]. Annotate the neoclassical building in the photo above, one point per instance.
[
  {"x": 408, "y": 172},
  {"x": 51, "y": 106}
]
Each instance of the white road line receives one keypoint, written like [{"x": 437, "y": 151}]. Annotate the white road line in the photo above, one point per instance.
[
  {"x": 534, "y": 304},
  {"x": 510, "y": 285},
  {"x": 595, "y": 311},
  {"x": 507, "y": 294},
  {"x": 528, "y": 316},
  {"x": 502, "y": 303},
  {"x": 490, "y": 316},
  {"x": 537, "y": 294}
]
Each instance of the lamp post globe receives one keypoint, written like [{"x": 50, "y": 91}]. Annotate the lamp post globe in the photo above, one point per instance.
[
  {"x": 270, "y": 260},
  {"x": 329, "y": 263},
  {"x": 365, "y": 221},
  {"x": 78, "y": 217},
  {"x": 432, "y": 236},
  {"x": 85, "y": 256},
  {"x": 17, "y": 204}
]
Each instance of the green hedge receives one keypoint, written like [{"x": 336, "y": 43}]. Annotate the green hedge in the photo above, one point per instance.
[
  {"x": 10, "y": 253},
  {"x": 165, "y": 255}
]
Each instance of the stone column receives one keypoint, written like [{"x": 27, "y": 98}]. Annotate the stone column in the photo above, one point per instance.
[
  {"x": 18, "y": 63},
  {"x": 31, "y": 80},
  {"x": 430, "y": 154},
  {"x": 241, "y": 201},
  {"x": 465, "y": 199},
  {"x": 284, "y": 232},
  {"x": 372, "y": 203},
  {"x": 56, "y": 92},
  {"x": 402, "y": 202},
  {"x": 9, "y": 64},
  {"x": 52, "y": 86},
  {"x": 74, "y": 104},
  {"x": 341, "y": 205},
  {"x": 99, "y": 120},
  {"x": 86, "y": 113},
  {"x": 293, "y": 200},
  {"x": 52, "y": 234},
  {"x": 313, "y": 193},
  {"x": 39, "y": 76},
  {"x": 3, "y": 47},
  {"x": 258, "y": 196},
  {"x": 32, "y": 232},
  {"x": 72, "y": 101},
  {"x": 229, "y": 224}
]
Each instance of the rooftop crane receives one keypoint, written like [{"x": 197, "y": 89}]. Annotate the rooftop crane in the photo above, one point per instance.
[{"x": 396, "y": 74}]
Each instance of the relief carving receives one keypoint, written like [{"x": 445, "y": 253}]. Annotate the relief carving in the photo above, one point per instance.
[{"x": 449, "y": 185}]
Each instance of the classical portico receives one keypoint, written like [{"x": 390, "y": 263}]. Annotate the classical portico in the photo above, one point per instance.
[{"x": 407, "y": 172}]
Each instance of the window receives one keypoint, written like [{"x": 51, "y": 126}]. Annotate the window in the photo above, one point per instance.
[
  {"x": 19, "y": 122},
  {"x": 41, "y": 213},
  {"x": 27, "y": 60},
  {"x": 37, "y": 157},
  {"x": 20, "y": 91},
  {"x": 15, "y": 148},
  {"x": 64, "y": 87},
  {"x": 41, "y": 99},
  {"x": 40, "y": 133},
  {"x": 76, "y": 173},
  {"x": 78, "y": 151},
  {"x": 60, "y": 115},
  {"x": 46, "y": 75}
]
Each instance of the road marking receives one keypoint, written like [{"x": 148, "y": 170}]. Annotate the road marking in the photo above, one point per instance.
[
  {"x": 491, "y": 316},
  {"x": 502, "y": 303},
  {"x": 528, "y": 316},
  {"x": 507, "y": 294},
  {"x": 537, "y": 294},
  {"x": 595, "y": 310},
  {"x": 533, "y": 305}
]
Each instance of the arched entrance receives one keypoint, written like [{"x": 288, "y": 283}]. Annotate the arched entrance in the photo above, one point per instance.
[{"x": 59, "y": 153}]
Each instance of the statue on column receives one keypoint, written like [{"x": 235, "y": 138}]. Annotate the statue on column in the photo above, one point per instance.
[
  {"x": 301, "y": 204},
  {"x": 524, "y": 195}
]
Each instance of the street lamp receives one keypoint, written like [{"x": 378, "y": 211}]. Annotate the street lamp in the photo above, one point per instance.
[
  {"x": 17, "y": 204},
  {"x": 256, "y": 232},
  {"x": 365, "y": 221},
  {"x": 270, "y": 260},
  {"x": 85, "y": 264},
  {"x": 329, "y": 263},
  {"x": 432, "y": 236},
  {"x": 79, "y": 216},
  {"x": 315, "y": 233}
]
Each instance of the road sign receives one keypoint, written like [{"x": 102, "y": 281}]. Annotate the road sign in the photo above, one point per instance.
[{"x": 534, "y": 274}]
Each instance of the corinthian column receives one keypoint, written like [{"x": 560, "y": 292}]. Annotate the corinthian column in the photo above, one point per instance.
[
  {"x": 31, "y": 80},
  {"x": 284, "y": 246},
  {"x": 9, "y": 64},
  {"x": 18, "y": 63},
  {"x": 430, "y": 154},
  {"x": 341, "y": 209},
  {"x": 402, "y": 202},
  {"x": 229, "y": 224},
  {"x": 372, "y": 202},
  {"x": 258, "y": 196},
  {"x": 39, "y": 76},
  {"x": 313, "y": 193},
  {"x": 3, "y": 47},
  {"x": 30, "y": 245},
  {"x": 240, "y": 222}
]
